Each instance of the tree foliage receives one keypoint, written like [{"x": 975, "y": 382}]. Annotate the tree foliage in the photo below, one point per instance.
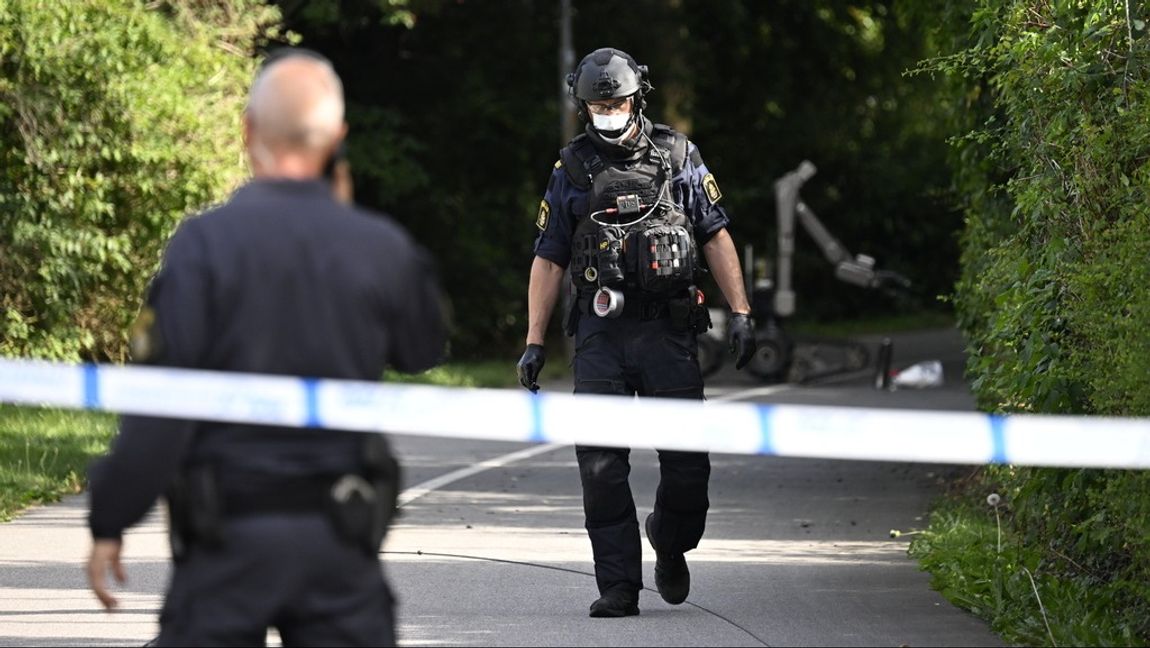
[
  {"x": 455, "y": 127},
  {"x": 116, "y": 119},
  {"x": 825, "y": 81},
  {"x": 1054, "y": 100},
  {"x": 1057, "y": 172}
]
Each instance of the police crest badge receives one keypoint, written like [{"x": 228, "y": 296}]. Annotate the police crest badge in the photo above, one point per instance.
[
  {"x": 712, "y": 188},
  {"x": 144, "y": 341},
  {"x": 544, "y": 215}
]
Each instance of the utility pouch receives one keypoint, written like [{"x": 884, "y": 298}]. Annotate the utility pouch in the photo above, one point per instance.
[
  {"x": 666, "y": 258},
  {"x": 195, "y": 511},
  {"x": 362, "y": 506},
  {"x": 354, "y": 507},
  {"x": 585, "y": 259},
  {"x": 610, "y": 258},
  {"x": 384, "y": 473},
  {"x": 700, "y": 319}
]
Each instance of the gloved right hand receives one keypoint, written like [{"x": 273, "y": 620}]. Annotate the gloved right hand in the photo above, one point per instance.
[
  {"x": 530, "y": 365},
  {"x": 741, "y": 331}
]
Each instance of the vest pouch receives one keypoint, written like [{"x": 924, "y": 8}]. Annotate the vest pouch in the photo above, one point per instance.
[
  {"x": 666, "y": 259},
  {"x": 610, "y": 259},
  {"x": 195, "y": 511},
  {"x": 584, "y": 260}
]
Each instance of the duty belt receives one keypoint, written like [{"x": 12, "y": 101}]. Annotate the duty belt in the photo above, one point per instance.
[
  {"x": 305, "y": 495},
  {"x": 634, "y": 307}
]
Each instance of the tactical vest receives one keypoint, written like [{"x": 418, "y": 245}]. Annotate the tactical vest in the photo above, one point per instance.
[{"x": 657, "y": 255}]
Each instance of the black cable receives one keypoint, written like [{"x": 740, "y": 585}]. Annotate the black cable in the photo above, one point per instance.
[{"x": 568, "y": 570}]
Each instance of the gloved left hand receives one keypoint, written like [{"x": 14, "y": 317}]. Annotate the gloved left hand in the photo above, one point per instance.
[
  {"x": 530, "y": 365},
  {"x": 741, "y": 334}
]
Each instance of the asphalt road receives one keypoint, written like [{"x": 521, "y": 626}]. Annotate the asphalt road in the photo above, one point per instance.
[{"x": 490, "y": 549}]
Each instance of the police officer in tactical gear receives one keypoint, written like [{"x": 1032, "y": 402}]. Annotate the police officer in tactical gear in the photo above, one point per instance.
[
  {"x": 628, "y": 210},
  {"x": 273, "y": 527}
]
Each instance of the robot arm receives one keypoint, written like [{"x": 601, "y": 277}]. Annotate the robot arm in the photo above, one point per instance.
[{"x": 858, "y": 270}]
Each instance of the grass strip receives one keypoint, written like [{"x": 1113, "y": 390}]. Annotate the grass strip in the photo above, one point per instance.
[
  {"x": 980, "y": 563},
  {"x": 44, "y": 453}
]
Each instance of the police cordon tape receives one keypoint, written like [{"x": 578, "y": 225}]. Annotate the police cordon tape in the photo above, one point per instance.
[{"x": 828, "y": 432}]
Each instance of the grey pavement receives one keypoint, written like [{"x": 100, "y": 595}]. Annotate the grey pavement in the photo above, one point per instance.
[{"x": 797, "y": 552}]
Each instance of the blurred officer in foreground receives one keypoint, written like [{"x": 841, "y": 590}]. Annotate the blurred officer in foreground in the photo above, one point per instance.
[
  {"x": 273, "y": 527},
  {"x": 627, "y": 210}
]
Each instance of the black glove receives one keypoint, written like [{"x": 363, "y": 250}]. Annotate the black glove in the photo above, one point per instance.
[
  {"x": 530, "y": 365},
  {"x": 741, "y": 334}
]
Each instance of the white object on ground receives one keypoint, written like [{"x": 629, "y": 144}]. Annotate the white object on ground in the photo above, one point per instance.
[{"x": 920, "y": 375}]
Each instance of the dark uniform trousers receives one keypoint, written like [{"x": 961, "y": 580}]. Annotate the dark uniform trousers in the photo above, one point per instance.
[
  {"x": 290, "y": 571},
  {"x": 630, "y": 355}
]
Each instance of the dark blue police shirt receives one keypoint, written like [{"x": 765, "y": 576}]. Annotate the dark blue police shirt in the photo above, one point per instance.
[
  {"x": 567, "y": 203},
  {"x": 282, "y": 279}
]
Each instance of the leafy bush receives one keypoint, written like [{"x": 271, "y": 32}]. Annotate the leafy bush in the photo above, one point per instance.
[
  {"x": 1052, "y": 292},
  {"x": 1054, "y": 99},
  {"x": 116, "y": 119},
  {"x": 1035, "y": 584}
]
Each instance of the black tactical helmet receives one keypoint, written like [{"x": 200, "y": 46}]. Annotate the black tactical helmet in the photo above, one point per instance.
[{"x": 608, "y": 73}]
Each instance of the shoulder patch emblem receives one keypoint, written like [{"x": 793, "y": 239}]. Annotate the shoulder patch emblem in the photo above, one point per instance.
[
  {"x": 544, "y": 215},
  {"x": 712, "y": 188},
  {"x": 559, "y": 163},
  {"x": 144, "y": 337}
]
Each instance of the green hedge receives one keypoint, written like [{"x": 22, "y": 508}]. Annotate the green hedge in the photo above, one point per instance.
[
  {"x": 1054, "y": 296},
  {"x": 1053, "y": 291},
  {"x": 116, "y": 119}
]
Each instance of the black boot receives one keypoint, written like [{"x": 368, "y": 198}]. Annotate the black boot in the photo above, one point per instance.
[
  {"x": 672, "y": 577},
  {"x": 617, "y": 602}
]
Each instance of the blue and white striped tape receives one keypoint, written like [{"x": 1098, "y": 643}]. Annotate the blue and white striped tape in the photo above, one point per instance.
[{"x": 516, "y": 415}]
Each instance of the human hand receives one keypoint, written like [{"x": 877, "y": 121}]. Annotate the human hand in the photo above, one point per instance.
[
  {"x": 105, "y": 557},
  {"x": 530, "y": 365},
  {"x": 741, "y": 335}
]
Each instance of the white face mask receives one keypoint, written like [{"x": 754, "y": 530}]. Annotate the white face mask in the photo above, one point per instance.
[{"x": 610, "y": 122}]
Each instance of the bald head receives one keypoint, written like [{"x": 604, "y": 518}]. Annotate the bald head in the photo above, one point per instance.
[{"x": 295, "y": 109}]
